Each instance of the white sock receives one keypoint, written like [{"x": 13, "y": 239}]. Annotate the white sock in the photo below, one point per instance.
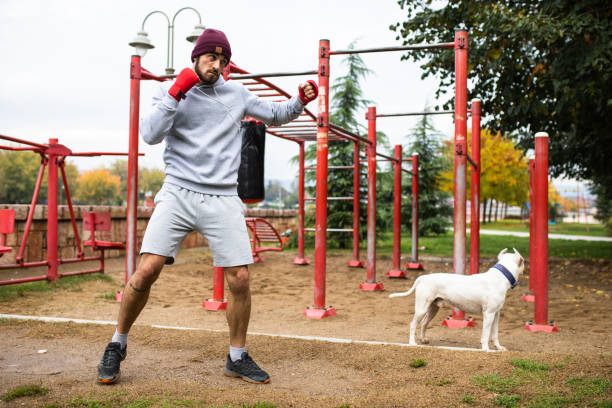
[
  {"x": 120, "y": 338},
  {"x": 236, "y": 352}
]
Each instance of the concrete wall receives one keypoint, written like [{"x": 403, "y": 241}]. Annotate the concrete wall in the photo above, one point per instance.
[{"x": 36, "y": 244}]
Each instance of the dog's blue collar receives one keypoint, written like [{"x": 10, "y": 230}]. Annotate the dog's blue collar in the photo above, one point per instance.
[{"x": 506, "y": 273}]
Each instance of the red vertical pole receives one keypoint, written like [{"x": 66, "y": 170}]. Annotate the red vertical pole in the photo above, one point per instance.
[
  {"x": 217, "y": 302},
  {"x": 541, "y": 227},
  {"x": 319, "y": 310},
  {"x": 540, "y": 259},
  {"x": 370, "y": 283},
  {"x": 532, "y": 223},
  {"x": 475, "y": 187},
  {"x": 355, "y": 262},
  {"x": 414, "y": 263},
  {"x": 459, "y": 235},
  {"x": 41, "y": 172},
  {"x": 132, "y": 181},
  {"x": 52, "y": 185},
  {"x": 396, "y": 271},
  {"x": 300, "y": 259}
]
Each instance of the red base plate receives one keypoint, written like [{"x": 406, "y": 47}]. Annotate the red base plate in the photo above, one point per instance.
[
  {"x": 319, "y": 313},
  {"x": 257, "y": 259},
  {"x": 414, "y": 266},
  {"x": 301, "y": 261},
  {"x": 396, "y": 274},
  {"x": 371, "y": 286},
  {"x": 458, "y": 323},
  {"x": 118, "y": 296},
  {"x": 210, "y": 304},
  {"x": 355, "y": 263},
  {"x": 549, "y": 328},
  {"x": 528, "y": 298}
]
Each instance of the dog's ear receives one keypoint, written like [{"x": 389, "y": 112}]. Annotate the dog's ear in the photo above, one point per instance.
[{"x": 503, "y": 251}]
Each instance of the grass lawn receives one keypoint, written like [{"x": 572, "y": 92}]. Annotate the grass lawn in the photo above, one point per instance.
[
  {"x": 594, "y": 230},
  {"x": 490, "y": 245}
]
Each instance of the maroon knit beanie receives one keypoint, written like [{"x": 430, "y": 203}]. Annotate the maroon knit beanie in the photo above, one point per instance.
[{"x": 214, "y": 41}]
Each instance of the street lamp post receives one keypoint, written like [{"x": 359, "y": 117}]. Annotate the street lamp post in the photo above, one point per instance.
[{"x": 141, "y": 45}]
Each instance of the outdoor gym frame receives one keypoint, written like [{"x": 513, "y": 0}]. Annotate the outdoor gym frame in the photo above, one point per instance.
[
  {"x": 302, "y": 130},
  {"x": 53, "y": 155}
]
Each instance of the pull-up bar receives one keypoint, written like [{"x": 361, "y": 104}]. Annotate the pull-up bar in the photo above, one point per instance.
[
  {"x": 403, "y": 48},
  {"x": 390, "y": 115},
  {"x": 272, "y": 74}
]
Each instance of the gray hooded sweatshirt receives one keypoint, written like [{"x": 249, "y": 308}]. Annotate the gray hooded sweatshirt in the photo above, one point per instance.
[{"x": 202, "y": 135}]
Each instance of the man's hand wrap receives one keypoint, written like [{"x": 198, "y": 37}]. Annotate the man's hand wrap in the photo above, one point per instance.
[
  {"x": 185, "y": 80},
  {"x": 305, "y": 100}
]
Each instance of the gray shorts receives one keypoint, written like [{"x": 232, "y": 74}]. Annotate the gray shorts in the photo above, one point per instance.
[{"x": 220, "y": 219}]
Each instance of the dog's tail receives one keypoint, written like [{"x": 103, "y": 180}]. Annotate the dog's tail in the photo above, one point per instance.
[{"x": 405, "y": 293}]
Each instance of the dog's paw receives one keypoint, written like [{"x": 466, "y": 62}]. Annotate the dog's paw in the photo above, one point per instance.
[
  {"x": 500, "y": 347},
  {"x": 425, "y": 341}
]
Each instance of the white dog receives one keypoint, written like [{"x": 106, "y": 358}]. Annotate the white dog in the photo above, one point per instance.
[{"x": 481, "y": 293}]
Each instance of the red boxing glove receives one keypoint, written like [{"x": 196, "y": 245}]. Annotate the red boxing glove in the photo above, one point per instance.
[
  {"x": 185, "y": 80},
  {"x": 303, "y": 96}
]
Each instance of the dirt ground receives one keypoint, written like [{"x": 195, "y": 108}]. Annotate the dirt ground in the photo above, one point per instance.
[{"x": 177, "y": 365}]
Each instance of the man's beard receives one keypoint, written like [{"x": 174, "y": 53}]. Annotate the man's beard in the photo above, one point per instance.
[{"x": 203, "y": 79}]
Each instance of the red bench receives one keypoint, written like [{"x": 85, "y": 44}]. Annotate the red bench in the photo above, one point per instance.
[
  {"x": 262, "y": 232},
  {"x": 7, "y": 224}
]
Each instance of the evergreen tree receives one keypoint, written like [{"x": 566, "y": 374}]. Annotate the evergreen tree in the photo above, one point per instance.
[{"x": 435, "y": 211}]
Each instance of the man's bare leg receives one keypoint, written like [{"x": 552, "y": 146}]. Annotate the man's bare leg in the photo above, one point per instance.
[
  {"x": 238, "y": 311},
  {"x": 136, "y": 291},
  {"x": 135, "y": 296}
]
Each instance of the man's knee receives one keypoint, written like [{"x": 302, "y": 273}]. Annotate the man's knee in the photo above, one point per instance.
[
  {"x": 146, "y": 274},
  {"x": 238, "y": 280}
]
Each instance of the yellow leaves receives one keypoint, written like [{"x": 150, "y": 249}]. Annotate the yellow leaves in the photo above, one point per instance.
[
  {"x": 97, "y": 187},
  {"x": 504, "y": 171}
]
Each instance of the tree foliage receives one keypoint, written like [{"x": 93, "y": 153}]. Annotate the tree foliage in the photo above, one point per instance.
[
  {"x": 537, "y": 65},
  {"x": 504, "y": 174},
  {"x": 434, "y": 209},
  {"x": 18, "y": 173},
  {"x": 98, "y": 187}
]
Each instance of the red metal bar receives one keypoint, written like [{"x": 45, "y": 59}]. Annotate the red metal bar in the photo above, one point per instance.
[
  {"x": 99, "y": 270},
  {"x": 396, "y": 271},
  {"x": 541, "y": 227},
  {"x": 77, "y": 238},
  {"x": 356, "y": 262},
  {"x": 300, "y": 259},
  {"x": 414, "y": 263},
  {"x": 217, "y": 302},
  {"x": 24, "y": 265},
  {"x": 23, "y": 280},
  {"x": 460, "y": 145},
  {"x": 319, "y": 310},
  {"x": 475, "y": 190},
  {"x": 132, "y": 181},
  {"x": 399, "y": 48},
  {"x": 532, "y": 223},
  {"x": 52, "y": 182},
  {"x": 14, "y": 139},
  {"x": 83, "y": 259},
  {"x": 41, "y": 172},
  {"x": 370, "y": 284}
]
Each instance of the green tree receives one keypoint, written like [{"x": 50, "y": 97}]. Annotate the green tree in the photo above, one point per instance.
[
  {"x": 18, "y": 173},
  {"x": 434, "y": 210},
  {"x": 98, "y": 187},
  {"x": 149, "y": 181},
  {"x": 537, "y": 65}
]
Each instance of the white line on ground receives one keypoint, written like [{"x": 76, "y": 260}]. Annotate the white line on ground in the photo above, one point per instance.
[{"x": 284, "y": 336}]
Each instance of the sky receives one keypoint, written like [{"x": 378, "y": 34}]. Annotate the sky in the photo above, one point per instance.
[{"x": 64, "y": 71}]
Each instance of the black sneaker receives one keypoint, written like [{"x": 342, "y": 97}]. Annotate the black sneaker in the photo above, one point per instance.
[
  {"x": 246, "y": 369},
  {"x": 108, "y": 369}
]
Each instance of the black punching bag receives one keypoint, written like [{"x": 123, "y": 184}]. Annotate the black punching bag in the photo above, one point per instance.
[{"x": 251, "y": 171}]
